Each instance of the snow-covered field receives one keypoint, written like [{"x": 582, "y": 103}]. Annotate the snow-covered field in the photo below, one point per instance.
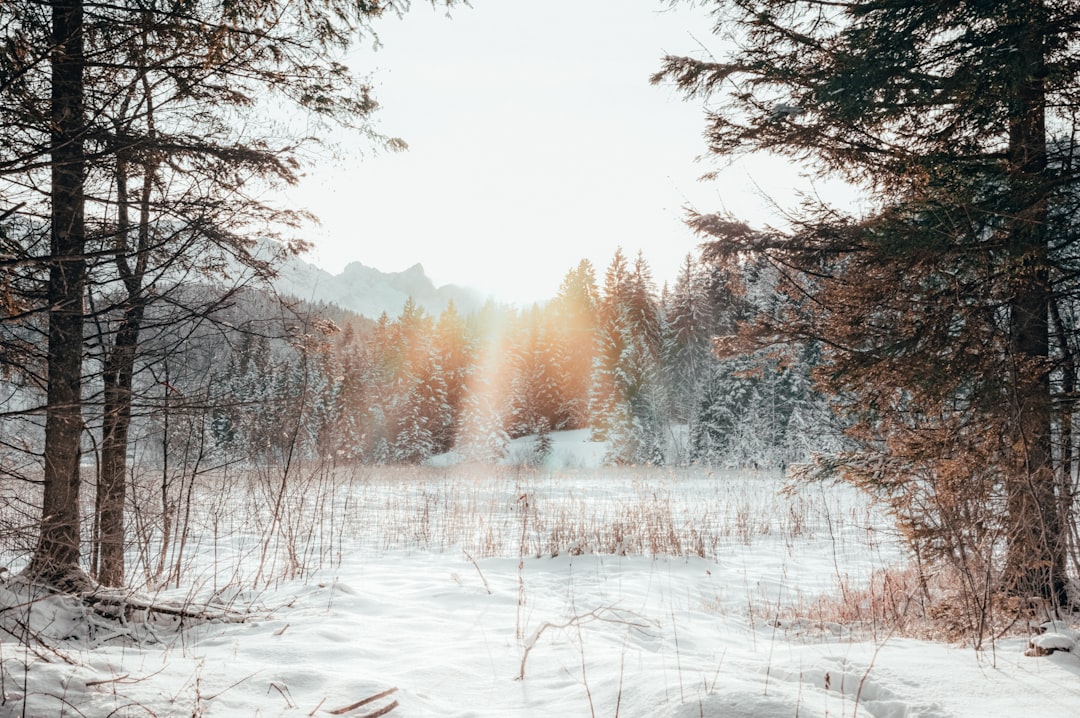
[{"x": 480, "y": 592}]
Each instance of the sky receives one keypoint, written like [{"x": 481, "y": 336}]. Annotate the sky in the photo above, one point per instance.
[{"x": 535, "y": 141}]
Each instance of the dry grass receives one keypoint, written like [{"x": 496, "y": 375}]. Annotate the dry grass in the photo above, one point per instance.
[
  {"x": 900, "y": 601},
  {"x": 251, "y": 528}
]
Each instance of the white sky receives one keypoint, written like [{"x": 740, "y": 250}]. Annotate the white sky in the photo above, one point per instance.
[{"x": 535, "y": 140}]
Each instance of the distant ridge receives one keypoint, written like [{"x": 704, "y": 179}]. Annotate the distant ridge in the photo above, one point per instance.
[{"x": 369, "y": 291}]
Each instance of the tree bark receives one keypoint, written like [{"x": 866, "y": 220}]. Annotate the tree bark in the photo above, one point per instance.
[
  {"x": 56, "y": 557},
  {"x": 1035, "y": 561},
  {"x": 119, "y": 371},
  {"x": 116, "y": 420}
]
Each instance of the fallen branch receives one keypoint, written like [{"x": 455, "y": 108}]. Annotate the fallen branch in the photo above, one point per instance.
[{"x": 123, "y": 606}]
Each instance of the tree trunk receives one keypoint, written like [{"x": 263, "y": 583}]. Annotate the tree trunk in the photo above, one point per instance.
[
  {"x": 1066, "y": 450},
  {"x": 56, "y": 557},
  {"x": 118, "y": 373},
  {"x": 116, "y": 420},
  {"x": 1035, "y": 560}
]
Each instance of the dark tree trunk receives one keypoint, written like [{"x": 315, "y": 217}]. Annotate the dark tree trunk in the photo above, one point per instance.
[
  {"x": 117, "y": 378},
  {"x": 56, "y": 557},
  {"x": 1035, "y": 563},
  {"x": 111, "y": 489}
]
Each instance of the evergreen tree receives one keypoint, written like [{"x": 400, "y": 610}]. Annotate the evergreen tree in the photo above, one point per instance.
[
  {"x": 420, "y": 415},
  {"x": 382, "y": 406},
  {"x": 935, "y": 306},
  {"x": 481, "y": 438},
  {"x": 688, "y": 353},
  {"x": 357, "y": 380},
  {"x": 424, "y": 416},
  {"x": 454, "y": 347},
  {"x": 637, "y": 423},
  {"x": 574, "y": 314},
  {"x": 713, "y": 429},
  {"x": 609, "y": 338},
  {"x": 535, "y": 403},
  {"x": 627, "y": 402}
]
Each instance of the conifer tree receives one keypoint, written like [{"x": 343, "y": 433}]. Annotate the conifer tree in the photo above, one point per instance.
[
  {"x": 935, "y": 305},
  {"x": 609, "y": 344},
  {"x": 574, "y": 313},
  {"x": 455, "y": 348},
  {"x": 99, "y": 98},
  {"x": 420, "y": 416},
  {"x": 687, "y": 338},
  {"x": 627, "y": 402},
  {"x": 481, "y": 437}
]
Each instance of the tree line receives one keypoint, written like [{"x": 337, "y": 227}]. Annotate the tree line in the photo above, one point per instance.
[{"x": 631, "y": 363}]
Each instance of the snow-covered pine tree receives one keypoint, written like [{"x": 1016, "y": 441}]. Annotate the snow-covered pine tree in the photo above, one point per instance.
[
  {"x": 609, "y": 343},
  {"x": 534, "y": 400},
  {"x": 481, "y": 437},
  {"x": 629, "y": 398},
  {"x": 687, "y": 354},
  {"x": 688, "y": 323},
  {"x": 423, "y": 414}
]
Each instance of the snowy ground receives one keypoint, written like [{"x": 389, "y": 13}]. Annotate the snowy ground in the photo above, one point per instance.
[{"x": 446, "y": 593}]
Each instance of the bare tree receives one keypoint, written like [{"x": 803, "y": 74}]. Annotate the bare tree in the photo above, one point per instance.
[{"x": 142, "y": 121}]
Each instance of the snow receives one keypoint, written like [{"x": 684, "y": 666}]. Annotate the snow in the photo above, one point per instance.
[
  {"x": 1050, "y": 642},
  {"x": 569, "y": 450},
  {"x": 500, "y": 602}
]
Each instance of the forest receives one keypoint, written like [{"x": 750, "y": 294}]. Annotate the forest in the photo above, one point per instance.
[
  {"x": 634, "y": 365},
  {"x": 922, "y": 350}
]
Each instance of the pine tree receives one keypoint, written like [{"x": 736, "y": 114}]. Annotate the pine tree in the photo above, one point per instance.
[
  {"x": 687, "y": 340},
  {"x": 627, "y": 402},
  {"x": 455, "y": 348},
  {"x": 380, "y": 410},
  {"x": 357, "y": 378},
  {"x": 609, "y": 337},
  {"x": 574, "y": 314},
  {"x": 535, "y": 401},
  {"x": 481, "y": 438},
  {"x": 935, "y": 305}
]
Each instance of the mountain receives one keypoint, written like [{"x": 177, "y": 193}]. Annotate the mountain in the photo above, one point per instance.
[{"x": 370, "y": 292}]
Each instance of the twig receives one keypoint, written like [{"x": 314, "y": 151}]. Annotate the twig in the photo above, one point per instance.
[
  {"x": 364, "y": 702},
  {"x": 103, "y": 681},
  {"x": 477, "y": 566},
  {"x": 678, "y": 655},
  {"x": 575, "y": 621},
  {"x": 381, "y": 711},
  {"x": 234, "y": 685},
  {"x": 284, "y": 693},
  {"x": 584, "y": 674}
]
